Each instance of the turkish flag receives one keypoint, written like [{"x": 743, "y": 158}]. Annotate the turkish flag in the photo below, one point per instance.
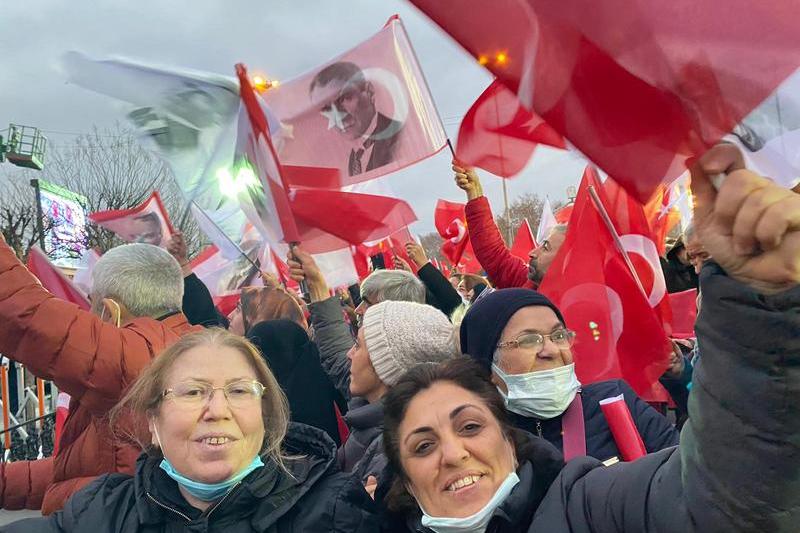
[
  {"x": 619, "y": 335},
  {"x": 684, "y": 313},
  {"x": 499, "y": 135},
  {"x": 636, "y": 236},
  {"x": 563, "y": 214},
  {"x": 451, "y": 223},
  {"x": 523, "y": 241},
  {"x": 663, "y": 214},
  {"x": 147, "y": 222},
  {"x": 353, "y": 217},
  {"x": 637, "y": 86},
  {"x": 365, "y": 113},
  {"x": 54, "y": 280}
]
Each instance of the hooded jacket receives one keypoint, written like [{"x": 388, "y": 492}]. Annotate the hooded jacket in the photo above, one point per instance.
[
  {"x": 313, "y": 498},
  {"x": 678, "y": 277},
  {"x": 735, "y": 468},
  {"x": 93, "y": 362},
  {"x": 294, "y": 360}
]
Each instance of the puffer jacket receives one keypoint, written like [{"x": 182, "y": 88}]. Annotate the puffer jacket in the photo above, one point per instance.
[
  {"x": 312, "y": 498},
  {"x": 332, "y": 335},
  {"x": 736, "y": 466},
  {"x": 504, "y": 269},
  {"x": 361, "y": 453},
  {"x": 88, "y": 359}
]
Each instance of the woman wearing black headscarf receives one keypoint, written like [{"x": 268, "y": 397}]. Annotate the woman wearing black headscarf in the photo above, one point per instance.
[{"x": 294, "y": 360}]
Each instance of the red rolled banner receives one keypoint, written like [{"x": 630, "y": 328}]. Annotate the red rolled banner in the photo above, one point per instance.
[
  {"x": 62, "y": 411},
  {"x": 620, "y": 421}
]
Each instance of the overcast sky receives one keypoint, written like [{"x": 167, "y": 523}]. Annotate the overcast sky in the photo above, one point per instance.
[{"x": 283, "y": 38}]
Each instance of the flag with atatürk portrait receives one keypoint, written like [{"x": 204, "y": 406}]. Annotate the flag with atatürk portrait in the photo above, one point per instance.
[
  {"x": 366, "y": 113},
  {"x": 147, "y": 222}
]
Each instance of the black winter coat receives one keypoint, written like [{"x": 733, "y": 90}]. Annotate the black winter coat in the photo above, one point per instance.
[
  {"x": 677, "y": 276},
  {"x": 315, "y": 498},
  {"x": 736, "y": 468},
  {"x": 198, "y": 306},
  {"x": 294, "y": 360},
  {"x": 656, "y": 431},
  {"x": 365, "y": 421},
  {"x": 446, "y": 298}
]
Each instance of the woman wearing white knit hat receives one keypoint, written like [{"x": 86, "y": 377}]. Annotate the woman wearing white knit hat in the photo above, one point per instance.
[{"x": 394, "y": 337}]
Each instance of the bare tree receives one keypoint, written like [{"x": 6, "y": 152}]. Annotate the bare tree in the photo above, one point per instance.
[
  {"x": 18, "y": 214},
  {"x": 112, "y": 170},
  {"x": 527, "y": 206},
  {"x": 432, "y": 244}
]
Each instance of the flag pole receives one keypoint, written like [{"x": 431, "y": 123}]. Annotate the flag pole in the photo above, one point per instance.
[
  {"x": 507, "y": 213},
  {"x": 610, "y": 225},
  {"x": 424, "y": 79},
  {"x": 257, "y": 116},
  {"x": 231, "y": 241}
]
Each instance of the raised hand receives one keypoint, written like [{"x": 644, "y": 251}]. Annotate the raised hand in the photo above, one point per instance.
[
  {"x": 750, "y": 226},
  {"x": 467, "y": 180},
  {"x": 416, "y": 253},
  {"x": 303, "y": 267}
]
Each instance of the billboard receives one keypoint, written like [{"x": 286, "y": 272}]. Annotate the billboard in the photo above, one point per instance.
[{"x": 64, "y": 222}]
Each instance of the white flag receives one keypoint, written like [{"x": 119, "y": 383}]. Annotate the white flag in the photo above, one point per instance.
[{"x": 546, "y": 223}]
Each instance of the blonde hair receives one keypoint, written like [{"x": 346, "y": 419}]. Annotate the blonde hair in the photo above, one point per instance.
[{"x": 145, "y": 395}]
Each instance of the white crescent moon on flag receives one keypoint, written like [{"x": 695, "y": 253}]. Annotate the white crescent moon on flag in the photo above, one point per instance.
[
  {"x": 399, "y": 100},
  {"x": 462, "y": 230},
  {"x": 646, "y": 248}
]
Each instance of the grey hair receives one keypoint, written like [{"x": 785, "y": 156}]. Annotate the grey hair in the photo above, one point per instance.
[
  {"x": 394, "y": 285},
  {"x": 146, "y": 279},
  {"x": 559, "y": 228}
]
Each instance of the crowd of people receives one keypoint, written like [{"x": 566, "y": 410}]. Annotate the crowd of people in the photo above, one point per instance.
[{"x": 419, "y": 403}]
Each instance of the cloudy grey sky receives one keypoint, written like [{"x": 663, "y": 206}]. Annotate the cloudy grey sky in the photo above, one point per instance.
[{"x": 283, "y": 38}]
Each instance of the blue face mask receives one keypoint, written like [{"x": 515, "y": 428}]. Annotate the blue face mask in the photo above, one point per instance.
[
  {"x": 209, "y": 492},
  {"x": 477, "y": 522}
]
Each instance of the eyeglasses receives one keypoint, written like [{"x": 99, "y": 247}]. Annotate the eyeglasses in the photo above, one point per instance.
[
  {"x": 194, "y": 394},
  {"x": 562, "y": 338}
]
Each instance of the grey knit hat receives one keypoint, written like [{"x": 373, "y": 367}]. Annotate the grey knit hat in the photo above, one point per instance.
[{"x": 401, "y": 335}]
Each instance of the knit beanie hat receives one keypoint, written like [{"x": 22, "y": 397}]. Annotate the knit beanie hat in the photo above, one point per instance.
[
  {"x": 401, "y": 335},
  {"x": 488, "y": 316}
]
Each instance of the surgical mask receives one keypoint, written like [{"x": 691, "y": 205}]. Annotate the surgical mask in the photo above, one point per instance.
[
  {"x": 477, "y": 522},
  {"x": 209, "y": 492},
  {"x": 544, "y": 394}
]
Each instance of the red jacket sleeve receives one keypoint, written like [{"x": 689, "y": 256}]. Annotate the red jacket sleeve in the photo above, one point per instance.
[
  {"x": 23, "y": 483},
  {"x": 56, "y": 340},
  {"x": 503, "y": 269}
]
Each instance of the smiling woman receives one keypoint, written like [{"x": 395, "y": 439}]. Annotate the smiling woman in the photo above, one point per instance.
[{"x": 220, "y": 455}]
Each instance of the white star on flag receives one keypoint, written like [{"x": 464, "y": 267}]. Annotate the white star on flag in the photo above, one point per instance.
[{"x": 334, "y": 117}]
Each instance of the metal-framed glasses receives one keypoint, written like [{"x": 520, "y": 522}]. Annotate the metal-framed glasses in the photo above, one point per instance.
[
  {"x": 562, "y": 338},
  {"x": 197, "y": 394}
]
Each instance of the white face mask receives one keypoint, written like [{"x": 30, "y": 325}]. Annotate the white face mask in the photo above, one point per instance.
[
  {"x": 544, "y": 394},
  {"x": 477, "y": 522}
]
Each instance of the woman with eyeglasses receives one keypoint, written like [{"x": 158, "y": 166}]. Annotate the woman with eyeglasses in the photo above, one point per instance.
[
  {"x": 220, "y": 455},
  {"x": 521, "y": 336}
]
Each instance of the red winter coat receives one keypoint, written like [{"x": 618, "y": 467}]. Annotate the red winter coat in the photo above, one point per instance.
[
  {"x": 90, "y": 360},
  {"x": 503, "y": 269}
]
